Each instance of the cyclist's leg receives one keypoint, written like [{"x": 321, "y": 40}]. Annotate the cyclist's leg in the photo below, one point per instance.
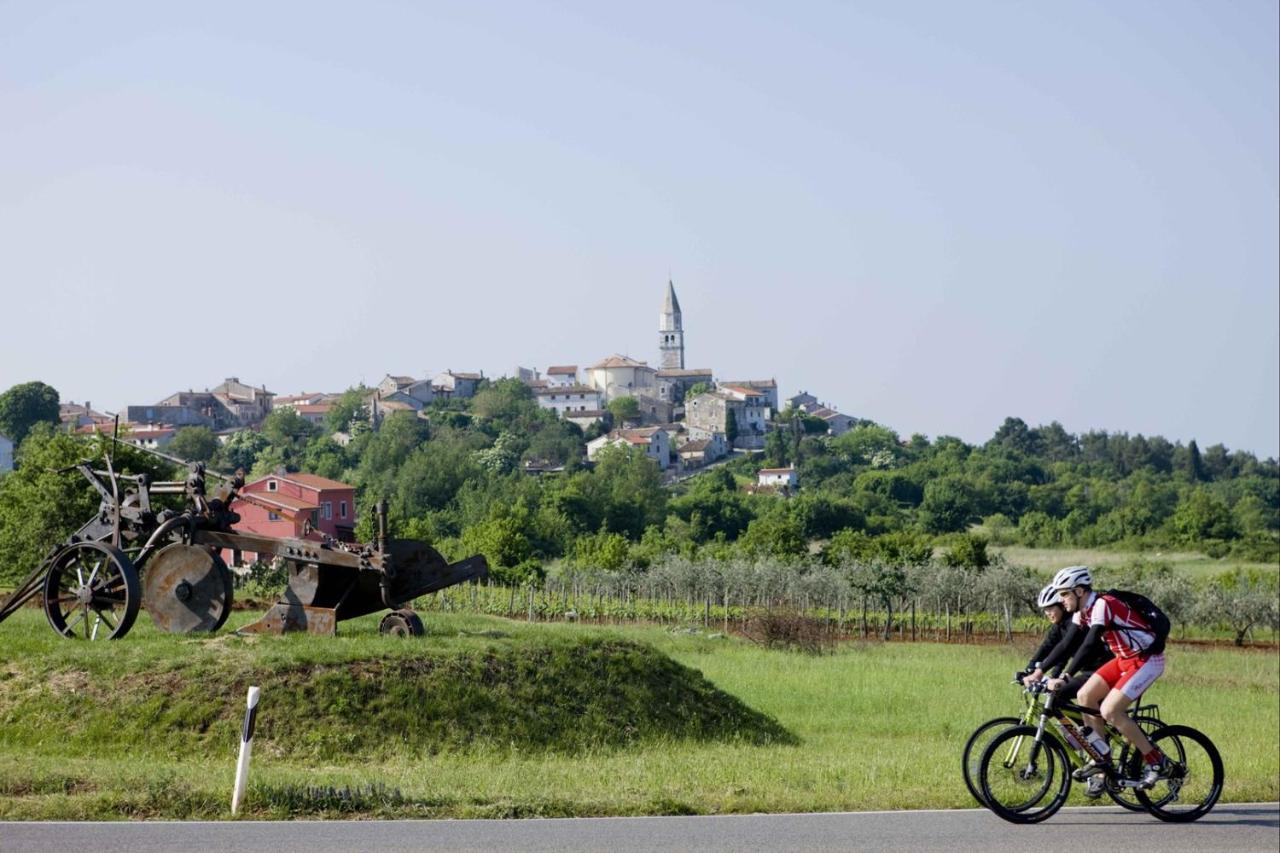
[
  {"x": 1137, "y": 677},
  {"x": 1091, "y": 695}
]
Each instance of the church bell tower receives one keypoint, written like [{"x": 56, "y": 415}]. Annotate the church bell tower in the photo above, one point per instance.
[{"x": 671, "y": 332}]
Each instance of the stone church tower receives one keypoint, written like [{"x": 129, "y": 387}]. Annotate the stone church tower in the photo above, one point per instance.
[{"x": 671, "y": 333}]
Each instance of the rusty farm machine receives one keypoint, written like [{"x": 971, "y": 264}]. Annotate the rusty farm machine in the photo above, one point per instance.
[{"x": 134, "y": 555}]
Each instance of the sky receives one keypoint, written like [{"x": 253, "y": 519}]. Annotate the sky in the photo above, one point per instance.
[{"x": 930, "y": 214}]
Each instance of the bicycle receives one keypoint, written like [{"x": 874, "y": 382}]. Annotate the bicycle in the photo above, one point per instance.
[
  {"x": 1024, "y": 764},
  {"x": 1146, "y": 716}
]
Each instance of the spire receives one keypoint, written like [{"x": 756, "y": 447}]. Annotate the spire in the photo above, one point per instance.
[{"x": 671, "y": 305}]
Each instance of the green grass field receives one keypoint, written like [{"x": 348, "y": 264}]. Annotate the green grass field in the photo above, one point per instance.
[
  {"x": 871, "y": 726},
  {"x": 1192, "y": 564}
]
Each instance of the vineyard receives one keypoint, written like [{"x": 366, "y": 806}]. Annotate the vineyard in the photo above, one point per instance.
[{"x": 929, "y": 602}]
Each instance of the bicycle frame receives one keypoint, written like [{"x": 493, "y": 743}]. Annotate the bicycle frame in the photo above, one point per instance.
[{"x": 1066, "y": 715}]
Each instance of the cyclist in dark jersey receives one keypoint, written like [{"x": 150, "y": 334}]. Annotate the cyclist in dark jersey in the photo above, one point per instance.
[
  {"x": 1051, "y": 604},
  {"x": 1117, "y": 684}
]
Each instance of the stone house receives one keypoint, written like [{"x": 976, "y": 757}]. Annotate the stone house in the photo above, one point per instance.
[
  {"x": 584, "y": 419},
  {"x": 704, "y": 451},
  {"x": 674, "y": 383},
  {"x": 707, "y": 414},
  {"x": 418, "y": 389},
  {"x": 767, "y": 387},
  {"x": 151, "y": 436},
  {"x": 452, "y": 384},
  {"x": 231, "y": 404}
]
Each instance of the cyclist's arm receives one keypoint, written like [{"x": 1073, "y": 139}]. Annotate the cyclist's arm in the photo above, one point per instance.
[
  {"x": 1091, "y": 641},
  {"x": 1051, "y": 639},
  {"x": 1062, "y": 649}
]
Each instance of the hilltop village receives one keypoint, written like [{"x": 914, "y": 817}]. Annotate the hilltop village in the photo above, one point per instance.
[{"x": 683, "y": 418}]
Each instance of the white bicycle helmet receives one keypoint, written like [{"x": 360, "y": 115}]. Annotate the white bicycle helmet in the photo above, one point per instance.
[
  {"x": 1072, "y": 577},
  {"x": 1048, "y": 597}
]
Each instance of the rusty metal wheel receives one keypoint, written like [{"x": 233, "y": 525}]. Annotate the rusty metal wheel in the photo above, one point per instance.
[
  {"x": 402, "y": 623},
  {"x": 92, "y": 591},
  {"x": 186, "y": 588}
]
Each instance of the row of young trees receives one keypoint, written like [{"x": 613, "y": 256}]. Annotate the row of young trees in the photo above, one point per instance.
[{"x": 457, "y": 479}]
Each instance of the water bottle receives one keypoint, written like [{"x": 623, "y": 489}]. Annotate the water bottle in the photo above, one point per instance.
[
  {"x": 1068, "y": 736},
  {"x": 1096, "y": 740}
]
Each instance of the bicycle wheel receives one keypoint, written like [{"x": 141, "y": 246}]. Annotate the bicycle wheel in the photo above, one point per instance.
[
  {"x": 1125, "y": 797},
  {"x": 1021, "y": 781},
  {"x": 1196, "y": 783},
  {"x": 976, "y": 745}
]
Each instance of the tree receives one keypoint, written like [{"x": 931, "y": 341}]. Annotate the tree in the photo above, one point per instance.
[
  {"x": 776, "y": 449},
  {"x": 698, "y": 388},
  {"x": 194, "y": 444},
  {"x": 350, "y": 409},
  {"x": 624, "y": 409},
  {"x": 949, "y": 505},
  {"x": 1202, "y": 516},
  {"x": 23, "y": 406},
  {"x": 730, "y": 426},
  {"x": 241, "y": 451}
]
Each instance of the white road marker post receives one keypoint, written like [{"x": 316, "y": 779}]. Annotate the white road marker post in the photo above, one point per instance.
[{"x": 246, "y": 747}]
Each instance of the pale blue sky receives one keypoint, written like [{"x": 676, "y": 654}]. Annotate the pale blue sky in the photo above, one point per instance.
[{"x": 930, "y": 214}]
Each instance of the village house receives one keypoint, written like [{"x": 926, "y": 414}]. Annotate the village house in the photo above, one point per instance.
[
  {"x": 777, "y": 478},
  {"x": 74, "y": 415},
  {"x": 709, "y": 413},
  {"x": 837, "y": 423},
  {"x": 560, "y": 375},
  {"x": 450, "y": 384},
  {"x": 674, "y": 383},
  {"x": 621, "y": 376},
  {"x": 148, "y": 436},
  {"x": 654, "y": 441},
  {"x": 297, "y": 506},
  {"x": 231, "y": 404},
  {"x": 406, "y": 388},
  {"x": 767, "y": 387},
  {"x": 563, "y": 399},
  {"x": 704, "y": 451},
  {"x": 6, "y": 454}
]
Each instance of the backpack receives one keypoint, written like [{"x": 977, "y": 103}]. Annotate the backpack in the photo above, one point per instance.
[{"x": 1152, "y": 615}]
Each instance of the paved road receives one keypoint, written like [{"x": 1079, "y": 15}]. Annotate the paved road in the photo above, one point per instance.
[{"x": 1226, "y": 828}]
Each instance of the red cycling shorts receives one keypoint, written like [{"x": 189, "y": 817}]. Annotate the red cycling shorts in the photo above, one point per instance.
[{"x": 1132, "y": 676}]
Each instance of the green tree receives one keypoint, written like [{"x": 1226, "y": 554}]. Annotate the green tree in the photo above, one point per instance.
[
  {"x": 194, "y": 444},
  {"x": 241, "y": 451},
  {"x": 23, "y": 406},
  {"x": 776, "y": 451},
  {"x": 698, "y": 388},
  {"x": 730, "y": 426},
  {"x": 624, "y": 409},
  {"x": 349, "y": 413},
  {"x": 1202, "y": 516},
  {"x": 949, "y": 505}
]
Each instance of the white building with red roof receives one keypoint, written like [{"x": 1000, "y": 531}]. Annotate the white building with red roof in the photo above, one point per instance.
[{"x": 654, "y": 441}]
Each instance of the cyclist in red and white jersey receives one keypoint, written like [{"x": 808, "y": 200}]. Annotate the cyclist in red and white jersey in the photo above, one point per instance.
[{"x": 1119, "y": 682}]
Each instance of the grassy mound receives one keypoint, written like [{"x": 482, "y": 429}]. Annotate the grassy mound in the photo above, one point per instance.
[{"x": 555, "y": 694}]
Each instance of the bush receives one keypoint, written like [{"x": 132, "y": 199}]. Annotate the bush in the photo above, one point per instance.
[{"x": 786, "y": 629}]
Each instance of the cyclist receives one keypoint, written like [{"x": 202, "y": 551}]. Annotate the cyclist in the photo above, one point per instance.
[
  {"x": 1117, "y": 684},
  {"x": 1049, "y": 602}
]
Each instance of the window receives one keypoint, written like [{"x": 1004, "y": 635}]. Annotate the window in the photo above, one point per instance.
[
  {"x": 273, "y": 516},
  {"x": 272, "y": 485},
  {"x": 327, "y": 506},
  {"x": 342, "y": 509},
  {"x": 314, "y": 520}
]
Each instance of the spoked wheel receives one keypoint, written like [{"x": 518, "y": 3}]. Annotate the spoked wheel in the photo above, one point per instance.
[
  {"x": 1125, "y": 797},
  {"x": 402, "y": 623},
  {"x": 1196, "y": 783},
  {"x": 976, "y": 745},
  {"x": 92, "y": 591},
  {"x": 1022, "y": 781}
]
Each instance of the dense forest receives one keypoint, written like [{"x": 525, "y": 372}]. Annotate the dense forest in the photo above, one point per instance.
[{"x": 457, "y": 479}]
